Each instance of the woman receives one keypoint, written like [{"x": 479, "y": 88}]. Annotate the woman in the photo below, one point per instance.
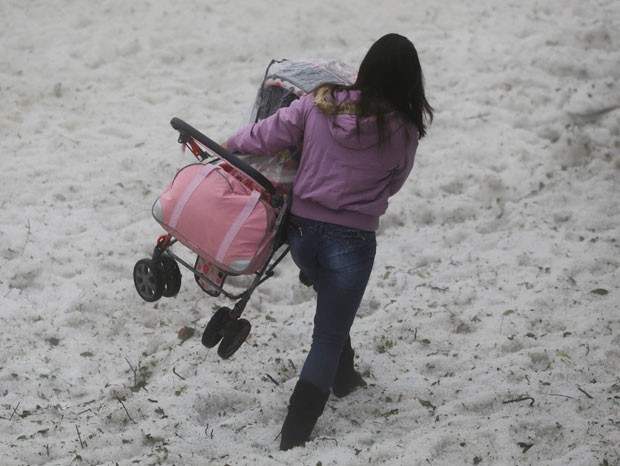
[{"x": 358, "y": 146}]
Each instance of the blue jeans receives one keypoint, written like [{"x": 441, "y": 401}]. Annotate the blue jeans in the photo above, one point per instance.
[{"x": 338, "y": 260}]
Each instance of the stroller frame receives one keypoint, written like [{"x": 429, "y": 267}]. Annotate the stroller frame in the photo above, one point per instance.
[
  {"x": 159, "y": 275},
  {"x": 193, "y": 138}
]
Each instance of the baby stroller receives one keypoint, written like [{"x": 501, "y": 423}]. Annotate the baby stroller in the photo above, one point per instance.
[{"x": 230, "y": 209}]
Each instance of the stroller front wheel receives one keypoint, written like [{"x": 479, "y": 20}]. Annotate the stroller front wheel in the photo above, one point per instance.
[
  {"x": 213, "y": 332},
  {"x": 149, "y": 281},
  {"x": 236, "y": 333},
  {"x": 226, "y": 329}
]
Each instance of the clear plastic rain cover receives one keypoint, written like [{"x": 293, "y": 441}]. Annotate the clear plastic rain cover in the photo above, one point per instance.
[{"x": 284, "y": 82}]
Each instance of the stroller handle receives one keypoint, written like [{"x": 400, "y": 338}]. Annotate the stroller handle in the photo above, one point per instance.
[{"x": 186, "y": 129}]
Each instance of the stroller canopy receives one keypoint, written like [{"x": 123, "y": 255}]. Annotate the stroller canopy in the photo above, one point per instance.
[{"x": 287, "y": 80}]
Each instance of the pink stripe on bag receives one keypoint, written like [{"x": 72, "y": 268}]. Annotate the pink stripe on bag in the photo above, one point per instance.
[
  {"x": 236, "y": 226},
  {"x": 182, "y": 202}
]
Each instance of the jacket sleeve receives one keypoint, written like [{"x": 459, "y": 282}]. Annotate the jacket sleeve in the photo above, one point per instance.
[
  {"x": 400, "y": 174},
  {"x": 282, "y": 130}
]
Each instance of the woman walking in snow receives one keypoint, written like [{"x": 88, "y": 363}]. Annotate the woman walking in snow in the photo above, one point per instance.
[{"x": 358, "y": 146}]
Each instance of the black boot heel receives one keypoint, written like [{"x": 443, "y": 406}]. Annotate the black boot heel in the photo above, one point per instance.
[{"x": 347, "y": 378}]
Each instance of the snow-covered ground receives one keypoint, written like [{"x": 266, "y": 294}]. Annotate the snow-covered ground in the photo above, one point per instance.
[{"x": 490, "y": 332}]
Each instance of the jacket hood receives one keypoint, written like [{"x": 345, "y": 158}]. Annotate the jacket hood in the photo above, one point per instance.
[{"x": 342, "y": 112}]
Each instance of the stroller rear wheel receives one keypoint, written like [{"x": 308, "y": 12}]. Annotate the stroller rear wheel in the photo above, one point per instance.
[
  {"x": 171, "y": 275},
  {"x": 148, "y": 280}
]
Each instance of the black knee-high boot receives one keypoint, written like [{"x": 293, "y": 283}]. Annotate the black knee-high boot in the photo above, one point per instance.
[
  {"x": 305, "y": 407},
  {"x": 347, "y": 378}
]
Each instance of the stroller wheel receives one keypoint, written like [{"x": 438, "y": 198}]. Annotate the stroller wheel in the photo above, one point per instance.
[
  {"x": 236, "y": 333},
  {"x": 172, "y": 276},
  {"x": 148, "y": 280},
  {"x": 214, "y": 331}
]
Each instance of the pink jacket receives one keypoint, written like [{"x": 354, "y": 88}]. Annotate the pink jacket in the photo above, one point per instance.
[{"x": 345, "y": 176}]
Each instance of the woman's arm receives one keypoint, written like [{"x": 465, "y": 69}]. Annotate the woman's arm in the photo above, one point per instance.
[
  {"x": 401, "y": 174},
  {"x": 282, "y": 130}
]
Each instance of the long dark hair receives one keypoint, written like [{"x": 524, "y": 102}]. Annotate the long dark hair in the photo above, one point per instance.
[{"x": 390, "y": 78}]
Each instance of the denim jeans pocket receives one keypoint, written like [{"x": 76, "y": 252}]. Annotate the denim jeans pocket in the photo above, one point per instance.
[
  {"x": 294, "y": 226},
  {"x": 350, "y": 233}
]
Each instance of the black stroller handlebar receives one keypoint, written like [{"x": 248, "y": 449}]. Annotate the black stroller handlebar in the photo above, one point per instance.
[{"x": 186, "y": 129}]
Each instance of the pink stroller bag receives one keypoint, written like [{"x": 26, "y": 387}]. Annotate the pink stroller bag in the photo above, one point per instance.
[{"x": 220, "y": 214}]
